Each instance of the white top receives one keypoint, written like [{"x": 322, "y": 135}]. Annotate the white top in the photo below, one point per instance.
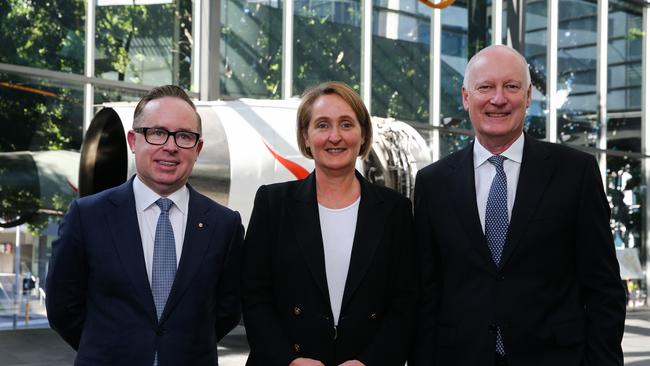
[
  {"x": 484, "y": 173},
  {"x": 148, "y": 212},
  {"x": 338, "y": 227}
]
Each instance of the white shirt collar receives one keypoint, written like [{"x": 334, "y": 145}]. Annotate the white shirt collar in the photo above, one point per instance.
[
  {"x": 145, "y": 196},
  {"x": 515, "y": 152}
]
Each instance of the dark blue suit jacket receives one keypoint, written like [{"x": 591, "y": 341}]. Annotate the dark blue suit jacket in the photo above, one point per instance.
[
  {"x": 556, "y": 294},
  {"x": 99, "y": 298}
]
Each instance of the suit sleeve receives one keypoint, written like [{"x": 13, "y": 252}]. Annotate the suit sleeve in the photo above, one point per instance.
[
  {"x": 598, "y": 271},
  {"x": 266, "y": 337},
  {"x": 422, "y": 352},
  {"x": 228, "y": 291},
  {"x": 390, "y": 346},
  {"x": 66, "y": 284}
]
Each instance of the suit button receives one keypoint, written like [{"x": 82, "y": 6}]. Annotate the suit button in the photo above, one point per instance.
[
  {"x": 373, "y": 316},
  {"x": 297, "y": 311},
  {"x": 160, "y": 332},
  {"x": 296, "y": 347}
]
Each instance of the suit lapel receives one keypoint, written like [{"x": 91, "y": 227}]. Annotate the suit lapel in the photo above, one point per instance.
[
  {"x": 370, "y": 217},
  {"x": 195, "y": 244},
  {"x": 463, "y": 199},
  {"x": 307, "y": 228},
  {"x": 123, "y": 223},
  {"x": 534, "y": 176}
]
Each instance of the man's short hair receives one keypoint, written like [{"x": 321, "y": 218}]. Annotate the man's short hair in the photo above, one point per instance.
[{"x": 160, "y": 92}]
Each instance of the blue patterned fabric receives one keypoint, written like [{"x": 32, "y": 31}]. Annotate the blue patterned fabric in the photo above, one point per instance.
[
  {"x": 497, "y": 221},
  {"x": 164, "y": 259}
]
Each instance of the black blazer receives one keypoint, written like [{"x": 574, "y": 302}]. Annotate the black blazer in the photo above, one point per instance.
[
  {"x": 287, "y": 312},
  {"x": 98, "y": 294},
  {"x": 557, "y": 293}
]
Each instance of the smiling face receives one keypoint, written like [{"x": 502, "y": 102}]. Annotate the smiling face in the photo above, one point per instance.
[
  {"x": 496, "y": 94},
  {"x": 334, "y": 135},
  {"x": 165, "y": 168}
]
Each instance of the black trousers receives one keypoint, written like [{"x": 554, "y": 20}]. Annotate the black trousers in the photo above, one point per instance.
[{"x": 500, "y": 360}]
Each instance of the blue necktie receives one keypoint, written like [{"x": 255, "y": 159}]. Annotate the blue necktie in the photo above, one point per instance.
[
  {"x": 164, "y": 259},
  {"x": 496, "y": 221}
]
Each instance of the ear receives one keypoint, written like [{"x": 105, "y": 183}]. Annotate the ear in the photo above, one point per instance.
[
  {"x": 130, "y": 137},
  {"x": 199, "y": 146},
  {"x": 465, "y": 95},
  {"x": 529, "y": 95}
]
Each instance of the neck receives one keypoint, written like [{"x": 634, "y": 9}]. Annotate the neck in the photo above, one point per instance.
[
  {"x": 496, "y": 146},
  {"x": 337, "y": 191}
]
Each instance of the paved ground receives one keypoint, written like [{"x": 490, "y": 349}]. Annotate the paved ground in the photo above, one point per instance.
[{"x": 42, "y": 347}]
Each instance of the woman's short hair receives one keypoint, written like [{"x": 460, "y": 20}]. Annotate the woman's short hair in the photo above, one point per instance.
[{"x": 349, "y": 96}]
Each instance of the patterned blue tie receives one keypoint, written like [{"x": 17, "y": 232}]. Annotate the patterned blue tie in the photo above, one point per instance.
[
  {"x": 164, "y": 260},
  {"x": 496, "y": 221}
]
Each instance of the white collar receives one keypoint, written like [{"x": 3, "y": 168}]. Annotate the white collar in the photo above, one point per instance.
[
  {"x": 515, "y": 152},
  {"x": 145, "y": 196}
]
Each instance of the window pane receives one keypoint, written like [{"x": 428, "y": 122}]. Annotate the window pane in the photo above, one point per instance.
[
  {"x": 400, "y": 63},
  {"x": 624, "y": 59},
  {"x": 251, "y": 48},
  {"x": 41, "y": 122},
  {"x": 626, "y": 192},
  {"x": 577, "y": 55},
  {"x": 145, "y": 44},
  {"x": 535, "y": 53},
  {"x": 327, "y": 41},
  {"x": 47, "y": 35}
]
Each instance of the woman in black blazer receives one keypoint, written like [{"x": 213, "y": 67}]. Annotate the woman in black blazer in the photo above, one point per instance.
[{"x": 329, "y": 269}]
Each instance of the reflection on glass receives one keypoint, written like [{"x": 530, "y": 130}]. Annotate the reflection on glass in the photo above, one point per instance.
[
  {"x": 400, "y": 60},
  {"x": 577, "y": 55},
  {"x": 452, "y": 142},
  {"x": 626, "y": 192},
  {"x": 251, "y": 48},
  {"x": 454, "y": 56},
  {"x": 47, "y": 35},
  {"x": 105, "y": 95},
  {"x": 327, "y": 41},
  {"x": 41, "y": 122},
  {"x": 624, "y": 77},
  {"x": 145, "y": 44},
  {"x": 41, "y": 125},
  {"x": 535, "y": 53}
]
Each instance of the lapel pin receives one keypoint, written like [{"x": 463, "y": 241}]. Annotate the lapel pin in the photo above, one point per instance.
[{"x": 200, "y": 224}]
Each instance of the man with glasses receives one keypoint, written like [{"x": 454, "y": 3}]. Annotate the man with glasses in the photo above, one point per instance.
[{"x": 147, "y": 273}]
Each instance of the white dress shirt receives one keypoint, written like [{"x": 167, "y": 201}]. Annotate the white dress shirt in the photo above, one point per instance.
[
  {"x": 484, "y": 173},
  {"x": 338, "y": 227},
  {"x": 148, "y": 213}
]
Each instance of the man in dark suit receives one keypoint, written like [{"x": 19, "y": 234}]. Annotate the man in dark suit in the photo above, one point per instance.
[
  {"x": 147, "y": 273},
  {"x": 517, "y": 258}
]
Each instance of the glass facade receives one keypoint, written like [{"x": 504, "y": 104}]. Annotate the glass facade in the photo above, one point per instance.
[
  {"x": 251, "y": 49},
  {"x": 400, "y": 60},
  {"x": 44, "y": 78},
  {"x": 326, "y": 43}
]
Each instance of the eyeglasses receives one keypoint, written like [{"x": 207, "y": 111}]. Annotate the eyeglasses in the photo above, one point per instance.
[{"x": 159, "y": 136}]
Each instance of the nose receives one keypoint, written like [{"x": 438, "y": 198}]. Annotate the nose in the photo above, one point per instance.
[
  {"x": 170, "y": 145},
  {"x": 335, "y": 135},
  {"x": 498, "y": 98}
]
